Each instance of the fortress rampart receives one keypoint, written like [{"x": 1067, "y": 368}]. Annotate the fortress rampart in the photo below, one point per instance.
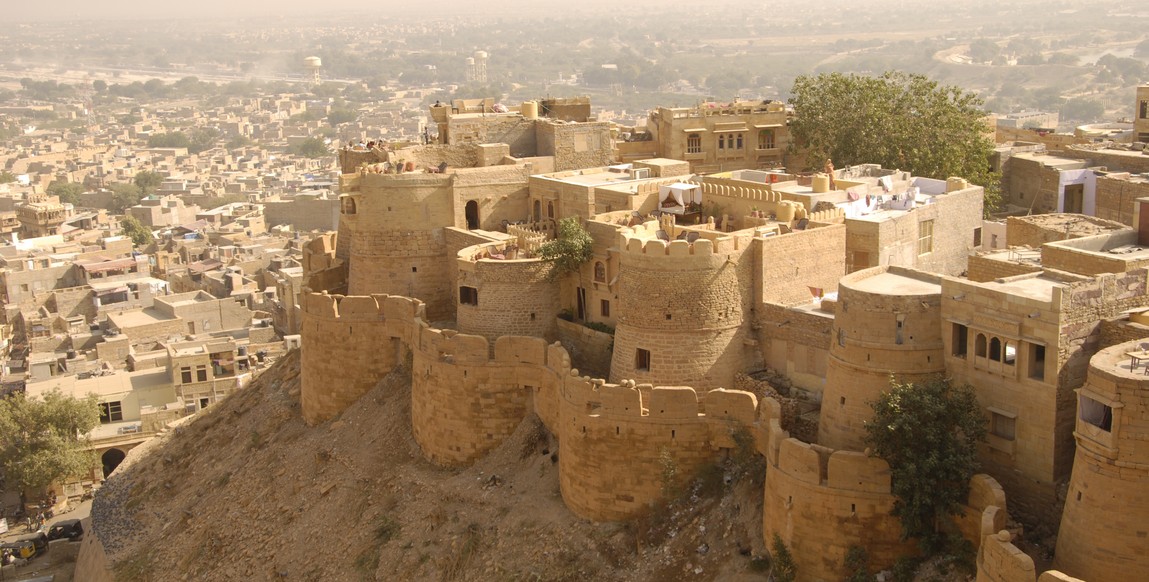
[
  {"x": 682, "y": 310},
  {"x": 622, "y": 445},
  {"x": 821, "y": 502},
  {"x": 499, "y": 294},
  {"x": 394, "y": 225},
  {"x": 888, "y": 323},
  {"x": 356, "y": 340},
  {"x": 1104, "y": 524},
  {"x": 463, "y": 403}
]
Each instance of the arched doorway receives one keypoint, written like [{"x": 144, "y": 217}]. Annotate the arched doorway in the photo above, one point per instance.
[
  {"x": 111, "y": 459},
  {"x": 472, "y": 213},
  {"x": 550, "y": 210}
]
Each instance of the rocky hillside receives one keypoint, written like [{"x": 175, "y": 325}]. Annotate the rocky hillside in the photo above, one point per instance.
[{"x": 247, "y": 491}]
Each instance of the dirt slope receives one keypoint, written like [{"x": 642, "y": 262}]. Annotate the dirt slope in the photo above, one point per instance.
[{"x": 249, "y": 492}]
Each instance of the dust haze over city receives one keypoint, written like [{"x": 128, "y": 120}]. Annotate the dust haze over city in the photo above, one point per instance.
[{"x": 634, "y": 291}]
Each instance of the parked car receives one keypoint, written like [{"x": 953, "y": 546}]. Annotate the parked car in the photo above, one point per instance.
[{"x": 70, "y": 529}]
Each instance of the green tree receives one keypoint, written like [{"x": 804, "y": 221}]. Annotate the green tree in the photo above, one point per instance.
[
  {"x": 44, "y": 440},
  {"x": 570, "y": 250},
  {"x": 338, "y": 116},
  {"x": 147, "y": 181},
  {"x": 132, "y": 228},
  {"x": 928, "y": 433},
  {"x": 312, "y": 147},
  {"x": 124, "y": 196},
  {"x": 1082, "y": 109},
  {"x": 237, "y": 142},
  {"x": 6, "y": 177},
  {"x": 897, "y": 120},
  {"x": 174, "y": 139},
  {"x": 69, "y": 192}
]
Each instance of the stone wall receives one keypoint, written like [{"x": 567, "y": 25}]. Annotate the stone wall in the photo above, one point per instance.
[
  {"x": 791, "y": 263},
  {"x": 590, "y": 350},
  {"x": 884, "y": 329},
  {"x": 1103, "y": 533},
  {"x": 464, "y": 403},
  {"x": 983, "y": 268},
  {"x": 354, "y": 339},
  {"x": 1116, "y": 195},
  {"x": 682, "y": 312},
  {"x": 821, "y": 502},
  {"x": 397, "y": 244},
  {"x": 796, "y": 342},
  {"x": 303, "y": 213},
  {"x": 622, "y": 446},
  {"x": 510, "y": 297},
  {"x": 1119, "y": 330},
  {"x": 575, "y": 145}
]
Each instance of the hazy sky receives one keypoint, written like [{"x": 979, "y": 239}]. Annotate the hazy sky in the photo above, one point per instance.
[{"x": 131, "y": 9}]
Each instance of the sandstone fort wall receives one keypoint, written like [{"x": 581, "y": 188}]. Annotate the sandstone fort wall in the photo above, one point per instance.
[
  {"x": 684, "y": 305},
  {"x": 877, "y": 334},
  {"x": 510, "y": 297},
  {"x": 821, "y": 502}
]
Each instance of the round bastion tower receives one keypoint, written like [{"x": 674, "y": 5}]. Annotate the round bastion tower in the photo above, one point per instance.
[
  {"x": 395, "y": 224},
  {"x": 1104, "y": 531},
  {"x": 682, "y": 310},
  {"x": 887, "y": 324}
]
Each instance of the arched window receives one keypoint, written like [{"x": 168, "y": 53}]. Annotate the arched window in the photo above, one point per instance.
[
  {"x": 538, "y": 210},
  {"x": 739, "y": 138},
  {"x": 722, "y": 141},
  {"x": 472, "y": 213},
  {"x": 979, "y": 345},
  {"x": 995, "y": 349},
  {"x": 348, "y": 205},
  {"x": 600, "y": 272},
  {"x": 550, "y": 210},
  {"x": 694, "y": 144},
  {"x": 1010, "y": 353}
]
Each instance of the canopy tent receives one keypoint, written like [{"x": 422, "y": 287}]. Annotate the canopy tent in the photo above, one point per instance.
[{"x": 674, "y": 198}]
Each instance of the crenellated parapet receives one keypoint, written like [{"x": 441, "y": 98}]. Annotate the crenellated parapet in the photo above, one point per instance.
[
  {"x": 349, "y": 344},
  {"x": 623, "y": 446},
  {"x": 505, "y": 290},
  {"x": 465, "y": 402},
  {"x": 822, "y": 501},
  {"x": 682, "y": 309}
]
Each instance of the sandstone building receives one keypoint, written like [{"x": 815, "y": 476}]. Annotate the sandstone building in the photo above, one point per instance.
[{"x": 837, "y": 282}]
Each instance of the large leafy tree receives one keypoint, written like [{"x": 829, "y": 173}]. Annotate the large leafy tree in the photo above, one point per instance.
[
  {"x": 897, "y": 120},
  {"x": 69, "y": 192},
  {"x": 570, "y": 249},
  {"x": 928, "y": 433},
  {"x": 132, "y": 228},
  {"x": 44, "y": 440},
  {"x": 147, "y": 181}
]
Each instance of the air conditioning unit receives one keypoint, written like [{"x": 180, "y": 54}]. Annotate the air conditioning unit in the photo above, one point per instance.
[{"x": 639, "y": 173}]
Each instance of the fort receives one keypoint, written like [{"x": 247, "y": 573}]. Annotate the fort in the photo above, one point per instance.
[{"x": 696, "y": 280}]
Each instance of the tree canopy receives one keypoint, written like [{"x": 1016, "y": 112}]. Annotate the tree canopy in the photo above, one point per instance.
[
  {"x": 312, "y": 147},
  {"x": 898, "y": 120},
  {"x": 124, "y": 195},
  {"x": 570, "y": 249},
  {"x": 42, "y": 441},
  {"x": 132, "y": 228},
  {"x": 928, "y": 433},
  {"x": 69, "y": 192},
  {"x": 147, "y": 181}
]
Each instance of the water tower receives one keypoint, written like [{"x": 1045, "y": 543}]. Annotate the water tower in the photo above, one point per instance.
[
  {"x": 313, "y": 64},
  {"x": 477, "y": 67}
]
